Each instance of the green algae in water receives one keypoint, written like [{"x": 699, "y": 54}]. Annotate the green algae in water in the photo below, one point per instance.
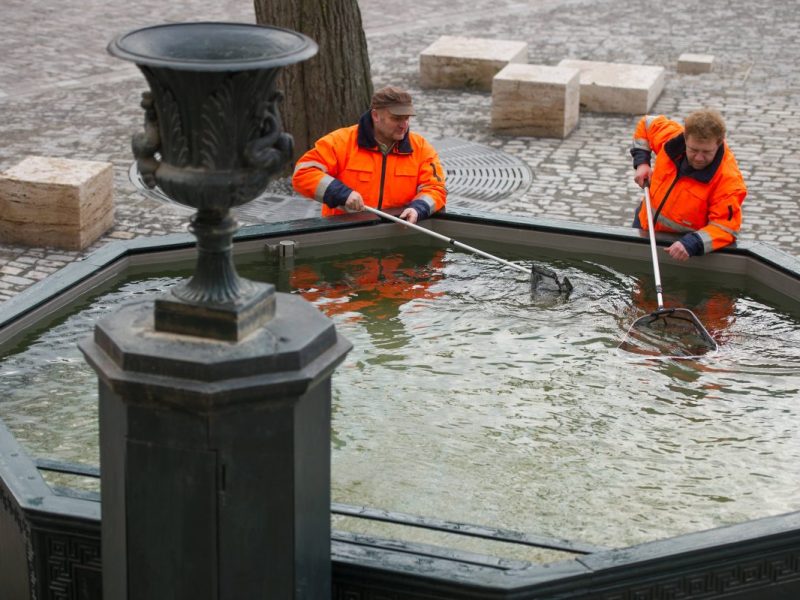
[{"x": 469, "y": 399}]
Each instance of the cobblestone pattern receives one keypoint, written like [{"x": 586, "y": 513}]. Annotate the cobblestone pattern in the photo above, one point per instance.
[{"x": 62, "y": 95}]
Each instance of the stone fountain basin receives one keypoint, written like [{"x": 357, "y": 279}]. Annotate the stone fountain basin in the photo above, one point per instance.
[{"x": 756, "y": 559}]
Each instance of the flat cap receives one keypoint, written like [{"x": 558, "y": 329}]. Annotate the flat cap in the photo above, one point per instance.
[{"x": 396, "y": 101}]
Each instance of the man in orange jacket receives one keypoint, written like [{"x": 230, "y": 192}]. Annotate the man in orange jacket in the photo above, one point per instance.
[
  {"x": 377, "y": 162},
  {"x": 696, "y": 187}
]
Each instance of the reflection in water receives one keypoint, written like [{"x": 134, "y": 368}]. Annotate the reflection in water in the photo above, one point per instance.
[
  {"x": 468, "y": 398},
  {"x": 371, "y": 290}
]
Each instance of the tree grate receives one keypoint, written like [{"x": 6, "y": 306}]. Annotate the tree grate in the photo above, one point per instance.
[{"x": 477, "y": 172}]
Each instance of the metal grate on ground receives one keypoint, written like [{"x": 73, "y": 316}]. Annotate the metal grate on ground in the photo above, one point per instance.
[
  {"x": 477, "y": 176},
  {"x": 477, "y": 172}
]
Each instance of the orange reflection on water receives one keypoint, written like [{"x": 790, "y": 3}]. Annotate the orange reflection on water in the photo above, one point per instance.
[{"x": 369, "y": 287}]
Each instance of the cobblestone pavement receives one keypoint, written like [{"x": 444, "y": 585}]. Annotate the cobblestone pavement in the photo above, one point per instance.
[{"x": 62, "y": 95}]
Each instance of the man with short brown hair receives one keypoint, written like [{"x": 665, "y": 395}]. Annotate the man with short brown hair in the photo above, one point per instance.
[
  {"x": 696, "y": 187},
  {"x": 377, "y": 162}
]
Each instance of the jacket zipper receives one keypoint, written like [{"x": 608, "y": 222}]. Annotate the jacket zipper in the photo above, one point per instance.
[{"x": 383, "y": 179}]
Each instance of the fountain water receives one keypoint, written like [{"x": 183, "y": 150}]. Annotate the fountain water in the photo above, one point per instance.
[{"x": 532, "y": 410}]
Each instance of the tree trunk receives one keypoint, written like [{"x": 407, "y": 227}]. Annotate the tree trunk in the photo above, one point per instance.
[{"x": 333, "y": 88}]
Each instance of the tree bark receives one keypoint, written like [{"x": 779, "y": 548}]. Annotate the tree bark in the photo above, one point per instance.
[{"x": 333, "y": 88}]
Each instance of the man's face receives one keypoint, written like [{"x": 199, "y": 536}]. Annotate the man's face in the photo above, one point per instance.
[
  {"x": 389, "y": 128},
  {"x": 700, "y": 152}
]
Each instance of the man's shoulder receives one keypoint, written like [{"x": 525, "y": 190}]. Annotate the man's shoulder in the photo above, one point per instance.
[
  {"x": 730, "y": 166},
  {"x": 660, "y": 124},
  {"x": 347, "y": 130},
  {"x": 667, "y": 125},
  {"x": 339, "y": 136},
  {"x": 420, "y": 142}
]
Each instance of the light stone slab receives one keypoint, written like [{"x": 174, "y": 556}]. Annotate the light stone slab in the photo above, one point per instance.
[
  {"x": 464, "y": 62},
  {"x": 694, "y": 64},
  {"x": 535, "y": 100},
  {"x": 618, "y": 87},
  {"x": 56, "y": 202}
]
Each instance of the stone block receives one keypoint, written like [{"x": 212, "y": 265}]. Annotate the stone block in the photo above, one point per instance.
[
  {"x": 464, "y": 62},
  {"x": 535, "y": 100},
  {"x": 56, "y": 202},
  {"x": 694, "y": 64},
  {"x": 618, "y": 87}
]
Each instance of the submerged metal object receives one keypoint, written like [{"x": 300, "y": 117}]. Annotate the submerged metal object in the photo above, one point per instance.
[{"x": 212, "y": 140}]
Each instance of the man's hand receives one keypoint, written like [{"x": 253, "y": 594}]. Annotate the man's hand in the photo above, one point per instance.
[
  {"x": 410, "y": 215},
  {"x": 354, "y": 203},
  {"x": 678, "y": 251},
  {"x": 642, "y": 176}
]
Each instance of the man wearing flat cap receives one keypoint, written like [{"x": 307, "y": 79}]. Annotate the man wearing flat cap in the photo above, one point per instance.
[{"x": 377, "y": 162}]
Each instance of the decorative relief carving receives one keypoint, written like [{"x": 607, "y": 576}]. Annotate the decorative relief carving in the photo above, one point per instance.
[
  {"x": 237, "y": 146},
  {"x": 72, "y": 568},
  {"x": 734, "y": 578},
  {"x": 146, "y": 144},
  {"x": 17, "y": 516}
]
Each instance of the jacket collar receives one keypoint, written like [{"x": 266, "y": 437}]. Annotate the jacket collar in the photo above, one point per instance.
[
  {"x": 676, "y": 150},
  {"x": 366, "y": 136}
]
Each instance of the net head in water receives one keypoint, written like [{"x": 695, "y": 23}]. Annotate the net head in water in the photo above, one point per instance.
[
  {"x": 669, "y": 333},
  {"x": 543, "y": 278}
]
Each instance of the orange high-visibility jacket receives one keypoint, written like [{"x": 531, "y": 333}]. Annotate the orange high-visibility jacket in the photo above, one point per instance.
[
  {"x": 704, "y": 204},
  {"x": 349, "y": 159}
]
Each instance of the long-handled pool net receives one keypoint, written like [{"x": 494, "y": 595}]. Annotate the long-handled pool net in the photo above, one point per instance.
[
  {"x": 536, "y": 273},
  {"x": 666, "y": 332}
]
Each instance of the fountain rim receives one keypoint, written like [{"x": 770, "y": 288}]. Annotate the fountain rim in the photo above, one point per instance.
[{"x": 303, "y": 49}]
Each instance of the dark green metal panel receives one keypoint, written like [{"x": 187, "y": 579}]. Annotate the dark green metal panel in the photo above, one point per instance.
[{"x": 168, "y": 474}]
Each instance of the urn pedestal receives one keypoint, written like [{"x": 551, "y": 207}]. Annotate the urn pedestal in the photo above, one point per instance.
[{"x": 215, "y": 399}]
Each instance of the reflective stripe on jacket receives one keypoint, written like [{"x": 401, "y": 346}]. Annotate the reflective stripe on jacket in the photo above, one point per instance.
[
  {"x": 349, "y": 159},
  {"x": 706, "y": 203}
]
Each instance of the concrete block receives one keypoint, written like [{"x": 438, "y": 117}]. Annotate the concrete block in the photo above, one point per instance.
[
  {"x": 463, "y": 62},
  {"x": 617, "y": 87},
  {"x": 536, "y": 100},
  {"x": 694, "y": 64},
  {"x": 56, "y": 202}
]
